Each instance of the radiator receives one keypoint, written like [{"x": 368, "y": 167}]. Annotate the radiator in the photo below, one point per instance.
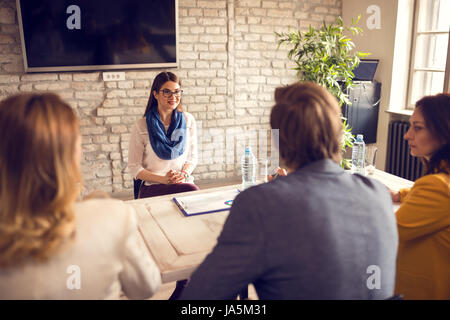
[{"x": 399, "y": 161}]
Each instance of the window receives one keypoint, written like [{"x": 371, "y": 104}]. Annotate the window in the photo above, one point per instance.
[{"x": 429, "y": 71}]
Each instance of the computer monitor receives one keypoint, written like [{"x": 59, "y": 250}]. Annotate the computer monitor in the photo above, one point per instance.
[{"x": 366, "y": 70}]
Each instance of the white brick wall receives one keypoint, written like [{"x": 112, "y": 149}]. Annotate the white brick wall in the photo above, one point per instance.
[{"x": 229, "y": 68}]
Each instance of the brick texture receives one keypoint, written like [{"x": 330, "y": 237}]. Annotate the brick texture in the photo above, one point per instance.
[{"x": 229, "y": 66}]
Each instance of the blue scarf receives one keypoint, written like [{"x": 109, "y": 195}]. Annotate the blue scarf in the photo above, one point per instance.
[{"x": 171, "y": 145}]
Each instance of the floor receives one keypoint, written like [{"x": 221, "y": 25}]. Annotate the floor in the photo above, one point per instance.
[{"x": 166, "y": 290}]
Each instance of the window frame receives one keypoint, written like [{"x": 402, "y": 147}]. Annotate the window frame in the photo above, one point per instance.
[
  {"x": 447, "y": 68},
  {"x": 412, "y": 69}
]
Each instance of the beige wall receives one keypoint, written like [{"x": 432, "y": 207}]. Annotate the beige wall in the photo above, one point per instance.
[
  {"x": 229, "y": 68},
  {"x": 381, "y": 43}
]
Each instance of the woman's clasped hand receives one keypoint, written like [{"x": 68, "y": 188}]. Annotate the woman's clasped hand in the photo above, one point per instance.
[{"x": 174, "y": 177}]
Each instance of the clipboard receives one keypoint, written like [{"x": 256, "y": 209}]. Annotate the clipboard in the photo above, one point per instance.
[{"x": 206, "y": 203}]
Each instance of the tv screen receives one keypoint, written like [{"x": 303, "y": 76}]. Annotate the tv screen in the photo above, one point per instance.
[{"x": 62, "y": 35}]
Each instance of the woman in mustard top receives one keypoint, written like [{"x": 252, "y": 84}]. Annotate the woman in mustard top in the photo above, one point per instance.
[{"x": 423, "y": 219}]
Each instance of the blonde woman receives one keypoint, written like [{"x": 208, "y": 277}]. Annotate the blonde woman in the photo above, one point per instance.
[{"x": 52, "y": 247}]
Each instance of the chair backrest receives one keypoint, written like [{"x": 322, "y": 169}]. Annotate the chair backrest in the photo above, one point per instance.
[{"x": 137, "y": 185}]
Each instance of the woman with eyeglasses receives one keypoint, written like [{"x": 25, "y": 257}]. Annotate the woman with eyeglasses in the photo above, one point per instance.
[{"x": 163, "y": 144}]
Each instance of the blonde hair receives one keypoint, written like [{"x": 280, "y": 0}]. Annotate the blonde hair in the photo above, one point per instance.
[
  {"x": 39, "y": 176},
  {"x": 309, "y": 123}
]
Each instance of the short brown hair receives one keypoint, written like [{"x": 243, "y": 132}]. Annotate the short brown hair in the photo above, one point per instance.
[
  {"x": 309, "y": 121},
  {"x": 39, "y": 176}
]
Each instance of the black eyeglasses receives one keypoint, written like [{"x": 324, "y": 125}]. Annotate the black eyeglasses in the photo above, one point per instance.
[{"x": 167, "y": 93}]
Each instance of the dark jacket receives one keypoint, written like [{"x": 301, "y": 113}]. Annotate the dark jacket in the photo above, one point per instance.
[{"x": 319, "y": 233}]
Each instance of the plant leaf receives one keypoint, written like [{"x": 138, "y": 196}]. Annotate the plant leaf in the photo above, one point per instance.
[{"x": 325, "y": 55}]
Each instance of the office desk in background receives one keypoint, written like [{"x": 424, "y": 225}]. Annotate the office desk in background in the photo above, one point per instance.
[{"x": 179, "y": 243}]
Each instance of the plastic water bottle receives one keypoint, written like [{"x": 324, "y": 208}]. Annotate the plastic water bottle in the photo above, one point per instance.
[
  {"x": 248, "y": 169},
  {"x": 358, "y": 154}
]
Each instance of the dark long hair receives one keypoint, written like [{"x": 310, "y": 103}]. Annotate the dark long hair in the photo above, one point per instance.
[
  {"x": 160, "y": 79},
  {"x": 436, "y": 113}
]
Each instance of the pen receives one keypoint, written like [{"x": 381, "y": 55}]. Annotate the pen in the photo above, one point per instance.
[{"x": 274, "y": 176}]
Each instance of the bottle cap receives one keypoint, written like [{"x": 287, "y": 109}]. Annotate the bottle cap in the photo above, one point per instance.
[{"x": 359, "y": 137}]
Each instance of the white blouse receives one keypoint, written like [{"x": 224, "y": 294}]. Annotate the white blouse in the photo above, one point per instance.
[
  {"x": 141, "y": 155},
  {"x": 108, "y": 256}
]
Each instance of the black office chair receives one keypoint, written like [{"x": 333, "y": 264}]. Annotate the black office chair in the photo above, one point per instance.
[{"x": 137, "y": 185}]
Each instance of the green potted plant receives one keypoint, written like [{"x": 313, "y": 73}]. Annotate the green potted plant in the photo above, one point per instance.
[{"x": 326, "y": 56}]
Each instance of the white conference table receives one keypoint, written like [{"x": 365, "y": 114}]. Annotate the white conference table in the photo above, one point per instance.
[{"x": 179, "y": 243}]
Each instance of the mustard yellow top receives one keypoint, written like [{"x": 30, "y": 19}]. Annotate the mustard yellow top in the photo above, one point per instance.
[{"x": 423, "y": 219}]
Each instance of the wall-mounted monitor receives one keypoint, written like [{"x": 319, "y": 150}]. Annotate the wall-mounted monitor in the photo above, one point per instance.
[{"x": 62, "y": 35}]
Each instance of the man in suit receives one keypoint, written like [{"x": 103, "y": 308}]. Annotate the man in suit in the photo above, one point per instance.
[{"x": 317, "y": 233}]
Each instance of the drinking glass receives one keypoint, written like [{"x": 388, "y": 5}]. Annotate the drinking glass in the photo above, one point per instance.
[
  {"x": 262, "y": 170},
  {"x": 370, "y": 158}
]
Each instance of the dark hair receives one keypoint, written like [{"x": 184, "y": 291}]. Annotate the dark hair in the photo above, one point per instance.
[
  {"x": 436, "y": 113},
  {"x": 158, "y": 82},
  {"x": 309, "y": 120}
]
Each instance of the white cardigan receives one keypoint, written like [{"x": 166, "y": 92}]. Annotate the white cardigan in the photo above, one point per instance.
[
  {"x": 108, "y": 254},
  {"x": 141, "y": 155}
]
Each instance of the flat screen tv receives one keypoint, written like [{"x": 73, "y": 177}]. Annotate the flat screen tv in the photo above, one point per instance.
[{"x": 63, "y": 35}]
